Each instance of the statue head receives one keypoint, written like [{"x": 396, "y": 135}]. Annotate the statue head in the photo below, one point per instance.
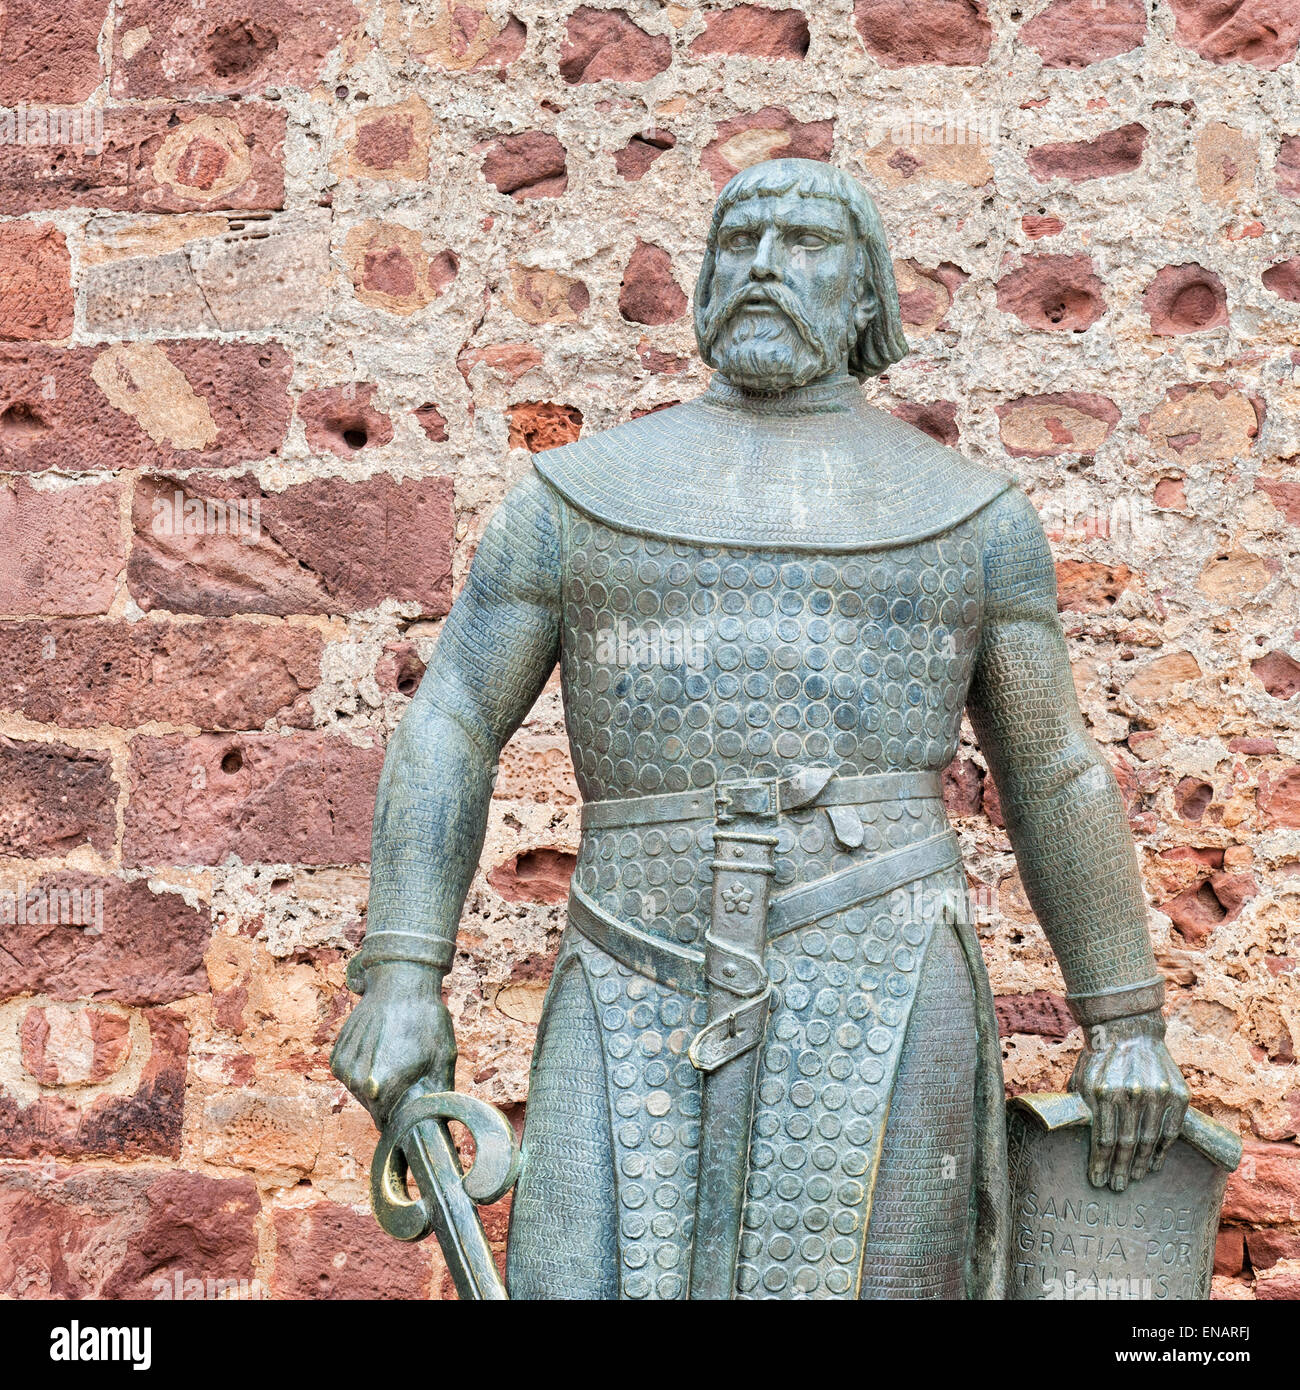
[{"x": 796, "y": 283}]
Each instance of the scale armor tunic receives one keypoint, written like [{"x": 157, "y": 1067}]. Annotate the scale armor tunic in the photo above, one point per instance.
[
  {"x": 685, "y": 665},
  {"x": 742, "y": 589}
]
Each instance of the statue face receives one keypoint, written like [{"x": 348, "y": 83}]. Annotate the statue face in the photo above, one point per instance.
[{"x": 782, "y": 300}]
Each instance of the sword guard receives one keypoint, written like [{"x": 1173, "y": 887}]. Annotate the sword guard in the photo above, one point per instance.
[{"x": 490, "y": 1177}]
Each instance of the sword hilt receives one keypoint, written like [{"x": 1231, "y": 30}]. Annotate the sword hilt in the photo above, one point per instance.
[{"x": 416, "y": 1141}]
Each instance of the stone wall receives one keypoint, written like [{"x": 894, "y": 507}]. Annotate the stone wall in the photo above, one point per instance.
[{"x": 316, "y": 276}]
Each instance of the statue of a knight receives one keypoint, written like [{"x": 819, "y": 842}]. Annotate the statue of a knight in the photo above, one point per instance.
[{"x": 768, "y": 1064}]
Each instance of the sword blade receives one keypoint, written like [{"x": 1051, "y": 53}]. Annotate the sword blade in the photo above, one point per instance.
[{"x": 433, "y": 1163}]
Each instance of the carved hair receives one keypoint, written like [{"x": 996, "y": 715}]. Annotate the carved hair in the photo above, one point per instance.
[{"x": 878, "y": 340}]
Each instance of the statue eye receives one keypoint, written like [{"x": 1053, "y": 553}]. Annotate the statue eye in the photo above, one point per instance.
[
  {"x": 739, "y": 241},
  {"x": 811, "y": 241}
]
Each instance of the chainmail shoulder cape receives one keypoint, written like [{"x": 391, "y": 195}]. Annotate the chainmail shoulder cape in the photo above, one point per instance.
[{"x": 813, "y": 469}]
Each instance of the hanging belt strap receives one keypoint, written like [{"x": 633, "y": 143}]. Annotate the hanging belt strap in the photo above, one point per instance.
[{"x": 682, "y": 967}]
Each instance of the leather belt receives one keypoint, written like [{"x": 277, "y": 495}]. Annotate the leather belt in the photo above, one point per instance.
[
  {"x": 682, "y": 967},
  {"x": 622, "y": 812}
]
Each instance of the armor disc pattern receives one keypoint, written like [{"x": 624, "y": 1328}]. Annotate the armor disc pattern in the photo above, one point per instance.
[{"x": 685, "y": 666}]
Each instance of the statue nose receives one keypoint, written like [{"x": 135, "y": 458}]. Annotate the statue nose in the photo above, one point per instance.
[{"x": 763, "y": 266}]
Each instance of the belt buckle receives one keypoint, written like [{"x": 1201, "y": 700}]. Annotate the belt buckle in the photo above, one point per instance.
[{"x": 758, "y": 796}]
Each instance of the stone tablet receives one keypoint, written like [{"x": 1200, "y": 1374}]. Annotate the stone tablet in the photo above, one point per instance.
[{"x": 1153, "y": 1241}]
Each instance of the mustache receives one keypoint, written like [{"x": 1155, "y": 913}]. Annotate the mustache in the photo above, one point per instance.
[{"x": 775, "y": 294}]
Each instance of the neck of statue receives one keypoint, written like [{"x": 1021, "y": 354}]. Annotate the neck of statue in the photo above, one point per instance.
[{"x": 837, "y": 391}]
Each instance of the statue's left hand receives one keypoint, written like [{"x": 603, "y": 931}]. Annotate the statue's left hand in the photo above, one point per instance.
[{"x": 1137, "y": 1097}]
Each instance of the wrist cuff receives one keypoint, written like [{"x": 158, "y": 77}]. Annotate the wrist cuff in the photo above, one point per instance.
[
  {"x": 1105, "y": 1005},
  {"x": 409, "y": 946}
]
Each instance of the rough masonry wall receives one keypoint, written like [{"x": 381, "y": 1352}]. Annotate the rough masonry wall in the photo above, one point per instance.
[{"x": 281, "y": 320}]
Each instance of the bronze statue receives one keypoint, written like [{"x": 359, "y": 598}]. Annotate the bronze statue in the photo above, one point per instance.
[{"x": 768, "y": 1064}]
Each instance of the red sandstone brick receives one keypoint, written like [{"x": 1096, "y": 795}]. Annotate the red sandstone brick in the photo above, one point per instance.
[
  {"x": 192, "y": 157},
  {"x": 607, "y": 44},
  {"x": 226, "y": 47},
  {"x": 391, "y": 269},
  {"x": 1279, "y": 798},
  {"x": 1114, "y": 152},
  {"x": 1270, "y": 1245},
  {"x": 78, "y": 1232},
  {"x": 1264, "y": 33},
  {"x": 754, "y": 31},
  {"x": 146, "y": 1122},
  {"x": 1039, "y": 1012},
  {"x": 641, "y": 151},
  {"x": 67, "y": 1045},
  {"x": 1284, "y": 495},
  {"x": 266, "y": 798},
  {"x": 35, "y": 282},
  {"x": 54, "y": 798},
  {"x": 51, "y": 52},
  {"x": 1089, "y": 586},
  {"x": 399, "y": 668},
  {"x": 649, "y": 294},
  {"x": 1061, "y": 422},
  {"x": 1077, "y": 33},
  {"x": 53, "y": 413},
  {"x": 1229, "y": 1251},
  {"x": 1278, "y": 673},
  {"x": 432, "y": 421},
  {"x": 149, "y": 949},
  {"x": 217, "y": 674},
  {"x": 1055, "y": 294},
  {"x": 538, "y": 425},
  {"x": 64, "y": 549},
  {"x": 322, "y": 547},
  {"x": 1288, "y": 166},
  {"x": 907, "y": 33},
  {"x": 531, "y": 164},
  {"x": 1037, "y": 227},
  {"x": 510, "y": 361},
  {"x": 938, "y": 419},
  {"x": 1279, "y": 1283},
  {"x": 1185, "y": 299},
  {"x": 470, "y": 40},
  {"x": 342, "y": 419},
  {"x": 333, "y": 1252},
  {"x": 535, "y": 876},
  {"x": 1265, "y": 1189},
  {"x": 926, "y": 294},
  {"x": 963, "y": 787},
  {"x": 1284, "y": 279},
  {"x": 770, "y": 133}
]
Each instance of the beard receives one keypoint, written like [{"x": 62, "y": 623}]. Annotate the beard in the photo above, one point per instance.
[{"x": 769, "y": 352}]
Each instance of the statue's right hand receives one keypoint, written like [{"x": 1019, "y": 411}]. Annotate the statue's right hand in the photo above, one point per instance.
[{"x": 398, "y": 1033}]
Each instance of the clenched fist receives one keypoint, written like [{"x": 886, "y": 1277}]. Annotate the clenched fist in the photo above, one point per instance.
[{"x": 399, "y": 1033}]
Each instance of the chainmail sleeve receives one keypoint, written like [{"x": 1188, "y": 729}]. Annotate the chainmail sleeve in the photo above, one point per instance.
[
  {"x": 1062, "y": 806},
  {"x": 499, "y": 645}
]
